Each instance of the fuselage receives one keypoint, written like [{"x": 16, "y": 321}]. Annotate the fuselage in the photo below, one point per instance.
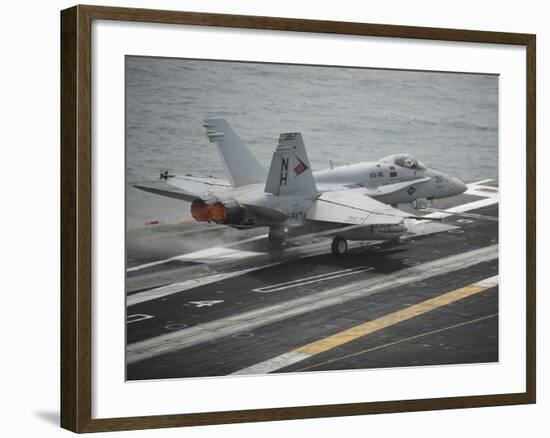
[
  {"x": 397, "y": 179},
  {"x": 381, "y": 175}
]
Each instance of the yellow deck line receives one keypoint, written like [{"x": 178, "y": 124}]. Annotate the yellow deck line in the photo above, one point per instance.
[
  {"x": 364, "y": 329},
  {"x": 307, "y": 351},
  {"x": 400, "y": 341}
]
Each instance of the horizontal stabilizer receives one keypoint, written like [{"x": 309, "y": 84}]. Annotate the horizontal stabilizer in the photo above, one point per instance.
[
  {"x": 199, "y": 185},
  {"x": 168, "y": 193},
  {"x": 188, "y": 188}
]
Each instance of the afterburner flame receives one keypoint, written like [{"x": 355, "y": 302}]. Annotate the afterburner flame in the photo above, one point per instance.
[
  {"x": 227, "y": 212},
  {"x": 200, "y": 210},
  {"x": 218, "y": 213}
]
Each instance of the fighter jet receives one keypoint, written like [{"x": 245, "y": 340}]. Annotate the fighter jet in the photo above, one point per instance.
[{"x": 352, "y": 202}]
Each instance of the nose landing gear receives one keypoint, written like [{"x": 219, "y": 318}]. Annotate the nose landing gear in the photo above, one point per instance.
[{"x": 339, "y": 246}]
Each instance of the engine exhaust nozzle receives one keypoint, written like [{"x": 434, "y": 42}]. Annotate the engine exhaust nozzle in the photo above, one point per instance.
[
  {"x": 226, "y": 212},
  {"x": 200, "y": 210},
  {"x": 218, "y": 213}
]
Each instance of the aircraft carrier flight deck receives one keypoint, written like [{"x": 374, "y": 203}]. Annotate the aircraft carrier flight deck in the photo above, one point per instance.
[{"x": 211, "y": 300}]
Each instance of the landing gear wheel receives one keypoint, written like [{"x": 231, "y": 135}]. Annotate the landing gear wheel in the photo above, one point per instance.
[
  {"x": 339, "y": 246},
  {"x": 276, "y": 237}
]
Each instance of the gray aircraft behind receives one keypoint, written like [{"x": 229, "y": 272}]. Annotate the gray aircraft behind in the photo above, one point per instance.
[{"x": 351, "y": 202}]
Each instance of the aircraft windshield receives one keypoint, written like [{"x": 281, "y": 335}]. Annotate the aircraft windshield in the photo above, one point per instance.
[{"x": 406, "y": 161}]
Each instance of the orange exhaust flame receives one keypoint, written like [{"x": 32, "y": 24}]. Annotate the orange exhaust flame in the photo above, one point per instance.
[
  {"x": 218, "y": 213},
  {"x": 200, "y": 210}
]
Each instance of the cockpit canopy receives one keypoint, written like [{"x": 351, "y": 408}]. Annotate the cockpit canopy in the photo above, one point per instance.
[{"x": 405, "y": 160}]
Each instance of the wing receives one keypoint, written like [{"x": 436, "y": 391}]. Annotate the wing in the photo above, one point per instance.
[
  {"x": 353, "y": 207},
  {"x": 187, "y": 188}
]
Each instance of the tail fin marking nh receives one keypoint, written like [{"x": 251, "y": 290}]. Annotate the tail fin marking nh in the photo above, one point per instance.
[{"x": 290, "y": 171}]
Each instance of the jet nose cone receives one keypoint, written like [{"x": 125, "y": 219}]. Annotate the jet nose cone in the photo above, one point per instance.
[{"x": 458, "y": 186}]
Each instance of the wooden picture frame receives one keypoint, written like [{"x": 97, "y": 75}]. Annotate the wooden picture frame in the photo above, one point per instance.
[{"x": 76, "y": 217}]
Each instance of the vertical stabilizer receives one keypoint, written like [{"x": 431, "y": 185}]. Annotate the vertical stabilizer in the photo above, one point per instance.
[
  {"x": 290, "y": 171},
  {"x": 240, "y": 164}
]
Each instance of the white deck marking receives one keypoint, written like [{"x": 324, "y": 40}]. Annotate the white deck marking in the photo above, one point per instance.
[
  {"x": 482, "y": 191},
  {"x": 276, "y": 363},
  {"x": 218, "y": 250},
  {"x": 488, "y": 282},
  {"x": 218, "y": 253},
  {"x": 343, "y": 337},
  {"x": 137, "y": 317},
  {"x": 182, "y": 286},
  {"x": 472, "y": 215},
  {"x": 205, "y": 303},
  {"x": 479, "y": 183},
  {"x": 464, "y": 208},
  {"x": 248, "y": 321},
  {"x": 313, "y": 279}
]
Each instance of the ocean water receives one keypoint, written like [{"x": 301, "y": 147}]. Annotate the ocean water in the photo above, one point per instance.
[{"x": 447, "y": 120}]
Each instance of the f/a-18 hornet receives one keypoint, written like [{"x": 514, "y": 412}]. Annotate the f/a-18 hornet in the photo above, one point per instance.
[{"x": 351, "y": 202}]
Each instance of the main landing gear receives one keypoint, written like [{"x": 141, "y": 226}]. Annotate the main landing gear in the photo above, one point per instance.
[
  {"x": 339, "y": 246},
  {"x": 276, "y": 237}
]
